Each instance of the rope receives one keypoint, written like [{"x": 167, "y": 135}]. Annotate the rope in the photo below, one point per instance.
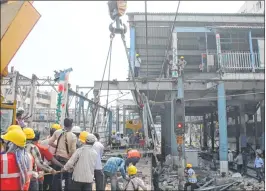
[{"x": 168, "y": 47}]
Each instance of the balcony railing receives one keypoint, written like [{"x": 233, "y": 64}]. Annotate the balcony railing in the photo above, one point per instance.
[{"x": 240, "y": 61}]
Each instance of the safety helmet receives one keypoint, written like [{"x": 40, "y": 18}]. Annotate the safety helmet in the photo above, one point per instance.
[
  {"x": 189, "y": 165},
  {"x": 132, "y": 170},
  {"x": 56, "y": 126},
  {"x": 181, "y": 57},
  {"x": 82, "y": 136},
  {"x": 29, "y": 133},
  {"x": 113, "y": 132},
  {"x": 13, "y": 127},
  {"x": 20, "y": 110},
  {"x": 76, "y": 129},
  {"x": 137, "y": 55},
  {"x": 129, "y": 149},
  {"x": 90, "y": 138},
  {"x": 15, "y": 136}
]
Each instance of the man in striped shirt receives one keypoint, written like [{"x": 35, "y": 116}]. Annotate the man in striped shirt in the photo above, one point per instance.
[{"x": 112, "y": 165}]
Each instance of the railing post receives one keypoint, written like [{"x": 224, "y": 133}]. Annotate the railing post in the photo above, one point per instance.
[{"x": 251, "y": 51}]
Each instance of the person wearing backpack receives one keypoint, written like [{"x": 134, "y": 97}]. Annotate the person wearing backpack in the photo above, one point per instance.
[
  {"x": 134, "y": 182},
  {"x": 64, "y": 148}
]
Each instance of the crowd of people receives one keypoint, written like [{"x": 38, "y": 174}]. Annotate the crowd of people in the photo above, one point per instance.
[{"x": 68, "y": 159}]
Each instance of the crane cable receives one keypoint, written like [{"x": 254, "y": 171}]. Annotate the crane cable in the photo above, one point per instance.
[
  {"x": 166, "y": 53},
  {"x": 106, "y": 62},
  {"x": 146, "y": 46}
]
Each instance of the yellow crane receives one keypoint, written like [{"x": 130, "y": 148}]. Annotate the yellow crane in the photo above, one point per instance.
[{"x": 17, "y": 20}]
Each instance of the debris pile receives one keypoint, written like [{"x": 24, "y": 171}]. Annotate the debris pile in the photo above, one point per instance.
[{"x": 168, "y": 179}]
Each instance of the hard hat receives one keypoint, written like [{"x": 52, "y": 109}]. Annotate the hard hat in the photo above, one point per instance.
[
  {"x": 181, "y": 56},
  {"x": 113, "y": 132},
  {"x": 137, "y": 55},
  {"x": 90, "y": 138},
  {"x": 56, "y": 126},
  {"x": 189, "y": 165},
  {"x": 132, "y": 170},
  {"x": 13, "y": 127},
  {"x": 83, "y": 136},
  {"x": 76, "y": 129},
  {"x": 29, "y": 133},
  {"x": 15, "y": 136},
  {"x": 129, "y": 149},
  {"x": 118, "y": 133},
  {"x": 20, "y": 110}
]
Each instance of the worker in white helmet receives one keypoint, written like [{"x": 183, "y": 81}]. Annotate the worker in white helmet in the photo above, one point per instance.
[
  {"x": 76, "y": 130},
  {"x": 83, "y": 161},
  {"x": 20, "y": 119}
]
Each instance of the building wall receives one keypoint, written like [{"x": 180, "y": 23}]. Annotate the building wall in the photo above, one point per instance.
[
  {"x": 43, "y": 99},
  {"x": 252, "y": 7}
]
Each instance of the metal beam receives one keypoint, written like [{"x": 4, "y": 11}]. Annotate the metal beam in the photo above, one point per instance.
[{"x": 167, "y": 85}]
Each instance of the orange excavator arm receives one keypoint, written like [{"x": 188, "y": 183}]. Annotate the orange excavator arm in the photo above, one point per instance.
[{"x": 17, "y": 20}]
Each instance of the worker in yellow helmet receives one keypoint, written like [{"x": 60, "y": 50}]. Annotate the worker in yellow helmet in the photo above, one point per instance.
[
  {"x": 181, "y": 64},
  {"x": 134, "y": 182},
  {"x": 83, "y": 136},
  {"x": 191, "y": 177},
  {"x": 16, "y": 161},
  {"x": 137, "y": 65},
  {"x": 38, "y": 162}
]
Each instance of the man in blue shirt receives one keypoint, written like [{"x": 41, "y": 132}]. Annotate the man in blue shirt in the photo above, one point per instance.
[
  {"x": 258, "y": 164},
  {"x": 110, "y": 168}
]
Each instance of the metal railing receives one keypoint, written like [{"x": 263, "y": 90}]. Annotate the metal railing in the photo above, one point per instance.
[{"x": 240, "y": 61}]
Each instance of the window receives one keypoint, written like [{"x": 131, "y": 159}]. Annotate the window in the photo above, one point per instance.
[{"x": 258, "y": 5}]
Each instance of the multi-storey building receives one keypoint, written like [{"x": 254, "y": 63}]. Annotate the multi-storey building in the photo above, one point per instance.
[
  {"x": 43, "y": 99},
  {"x": 252, "y": 7}
]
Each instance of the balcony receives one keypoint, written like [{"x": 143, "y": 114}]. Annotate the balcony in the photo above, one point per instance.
[{"x": 241, "y": 62}]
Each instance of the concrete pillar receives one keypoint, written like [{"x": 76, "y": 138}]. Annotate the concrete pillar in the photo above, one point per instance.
[
  {"x": 262, "y": 111},
  {"x": 251, "y": 51},
  {"x": 124, "y": 120},
  {"x": 205, "y": 132},
  {"x": 243, "y": 130},
  {"x": 163, "y": 133},
  {"x": 110, "y": 125},
  {"x": 132, "y": 48},
  {"x": 32, "y": 98},
  {"x": 117, "y": 119},
  {"x": 237, "y": 126},
  {"x": 166, "y": 121},
  {"x": 212, "y": 131},
  {"x": 255, "y": 129},
  {"x": 172, "y": 122},
  {"x": 223, "y": 148}
]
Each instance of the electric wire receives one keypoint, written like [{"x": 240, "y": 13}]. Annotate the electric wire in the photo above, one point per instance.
[
  {"x": 168, "y": 47},
  {"x": 119, "y": 97},
  {"x": 216, "y": 97}
]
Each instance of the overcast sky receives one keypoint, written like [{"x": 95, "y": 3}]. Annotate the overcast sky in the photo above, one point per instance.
[{"x": 75, "y": 34}]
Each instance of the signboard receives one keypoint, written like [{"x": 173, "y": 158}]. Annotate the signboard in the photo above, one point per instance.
[{"x": 179, "y": 140}]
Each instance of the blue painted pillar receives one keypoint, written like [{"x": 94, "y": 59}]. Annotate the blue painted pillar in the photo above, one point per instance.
[
  {"x": 223, "y": 148},
  {"x": 132, "y": 48},
  {"x": 251, "y": 51},
  {"x": 110, "y": 125}
]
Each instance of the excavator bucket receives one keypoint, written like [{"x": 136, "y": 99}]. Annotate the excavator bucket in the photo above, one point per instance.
[{"x": 17, "y": 20}]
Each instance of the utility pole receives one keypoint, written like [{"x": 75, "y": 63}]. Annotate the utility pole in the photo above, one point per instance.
[
  {"x": 32, "y": 98},
  {"x": 179, "y": 113}
]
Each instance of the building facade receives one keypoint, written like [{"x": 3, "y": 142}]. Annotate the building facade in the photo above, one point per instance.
[
  {"x": 252, "y": 7},
  {"x": 43, "y": 99}
]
